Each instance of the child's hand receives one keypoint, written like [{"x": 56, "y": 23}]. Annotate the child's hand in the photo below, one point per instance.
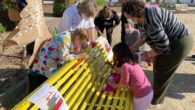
[{"x": 82, "y": 56}]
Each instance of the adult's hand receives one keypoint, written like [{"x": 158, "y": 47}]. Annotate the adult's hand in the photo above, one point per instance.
[{"x": 149, "y": 54}]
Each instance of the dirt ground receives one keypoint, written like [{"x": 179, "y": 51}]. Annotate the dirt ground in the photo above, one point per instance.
[{"x": 181, "y": 94}]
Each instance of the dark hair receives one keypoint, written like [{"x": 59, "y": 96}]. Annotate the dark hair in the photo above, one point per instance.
[
  {"x": 134, "y": 8},
  {"x": 122, "y": 54}
]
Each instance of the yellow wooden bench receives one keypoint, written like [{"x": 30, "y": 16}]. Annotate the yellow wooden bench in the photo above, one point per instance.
[{"x": 81, "y": 83}]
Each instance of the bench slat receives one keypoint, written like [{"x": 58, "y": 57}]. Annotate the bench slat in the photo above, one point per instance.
[
  {"x": 102, "y": 98},
  {"x": 122, "y": 100},
  {"x": 128, "y": 101},
  {"x": 78, "y": 91},
  {"x": 108, "y": 101},
  {"x": 115, "y": 99},
  {"x": 66, "y": 76},
  {"x": 71, "y": 80},
  {"x": 24, "y": 106},
  {"x": 70, "y": 92},
  {"x": 75, "y": 86},
  {"x": 61, "y": 72},
  {"x": 94, "y": 87},
  {"x": 34, "y": 107},
  {"x": 76, "y": 106},
  {"x": 99, "y": 90}
]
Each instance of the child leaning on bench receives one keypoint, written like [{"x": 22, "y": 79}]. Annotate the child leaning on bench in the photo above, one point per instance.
[
  {"x": 55, "y": 51},
  {"x": 106, "y": 19},
  {"x": 132, "y": 76}
]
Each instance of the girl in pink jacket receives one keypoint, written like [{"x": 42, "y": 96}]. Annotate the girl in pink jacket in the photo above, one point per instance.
[{"x": 132, "y": 76}]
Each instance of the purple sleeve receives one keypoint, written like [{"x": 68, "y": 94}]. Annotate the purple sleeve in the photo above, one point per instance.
[{"x": 125, "y": 74}]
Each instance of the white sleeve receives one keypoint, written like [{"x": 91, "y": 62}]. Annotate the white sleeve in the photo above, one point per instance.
[
  {"x": 90, "y": 23},
  {"x": 65, "y": 22}
]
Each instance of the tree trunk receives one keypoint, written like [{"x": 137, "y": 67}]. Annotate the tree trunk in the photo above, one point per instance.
[{"x": 178, "y": 1}]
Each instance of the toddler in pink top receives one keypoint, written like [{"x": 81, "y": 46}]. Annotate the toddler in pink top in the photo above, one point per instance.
[{"x": 132, "y": 76}]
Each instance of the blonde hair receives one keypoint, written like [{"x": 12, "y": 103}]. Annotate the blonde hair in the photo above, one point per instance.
[
  {"x": 82, "y": 34},
  {"x": 88, "y": 7}
]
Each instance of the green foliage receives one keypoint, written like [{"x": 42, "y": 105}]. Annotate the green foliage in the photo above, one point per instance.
[
  {"x": 100, "y": 2},
  {"x": 6, "y": 4},
  {"x": 58, "y": 9},
  {"x": 2, "y": 28}
]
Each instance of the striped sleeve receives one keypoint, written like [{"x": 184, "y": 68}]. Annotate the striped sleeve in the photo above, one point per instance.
[{"x": 156, "y": 35}]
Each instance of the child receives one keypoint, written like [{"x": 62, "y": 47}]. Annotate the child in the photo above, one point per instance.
[
  {"x": 54, "y": 52},
  {"x": 79, "y": 15},
  {"x": 132, "y": 35},
  {"x": 106, "y": 18},
  {"x": 132, "y": 76}
]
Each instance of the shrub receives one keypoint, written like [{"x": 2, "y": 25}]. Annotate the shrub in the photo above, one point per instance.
[
  {"x": 2, "y": 28},
  {"x": 6, "y": 4},
  {"x": 58, "y": 9}
]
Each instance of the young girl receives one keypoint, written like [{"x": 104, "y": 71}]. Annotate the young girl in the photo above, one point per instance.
[
  {"x": 132, "y": 35},
  {"x": 54, "y": 52},
  {"x": 132, "y": 76},
  {"x": 106, "y": 19}
]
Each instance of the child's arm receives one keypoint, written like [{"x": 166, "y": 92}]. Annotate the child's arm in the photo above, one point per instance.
[
  {"x": 98, "y": 31},
  {"x": 140, "y": 41},
  {"x": 121, "y": 82},
  {"x": 114, "y": 85}
]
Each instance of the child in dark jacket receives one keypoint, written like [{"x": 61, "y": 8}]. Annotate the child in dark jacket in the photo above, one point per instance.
[{"x": 106, "y": 19}]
